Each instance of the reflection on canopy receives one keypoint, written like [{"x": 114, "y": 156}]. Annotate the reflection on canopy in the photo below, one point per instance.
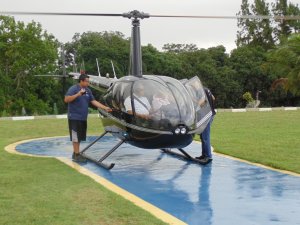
[{"x": 159, "y": 102}]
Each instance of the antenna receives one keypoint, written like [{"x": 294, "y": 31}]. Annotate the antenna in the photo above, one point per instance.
[
  {"x": 64, "y": 68},
  {"x": 99, "y": 74},
  {"x": 82, "y": 68},
  {"x": 112, "y": 64},
  {"x": 62, "y": 54}
]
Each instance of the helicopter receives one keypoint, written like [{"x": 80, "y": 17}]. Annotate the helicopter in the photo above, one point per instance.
[
  {"x": 170, "y": 117},
  {"x": 149, "y": 111}
]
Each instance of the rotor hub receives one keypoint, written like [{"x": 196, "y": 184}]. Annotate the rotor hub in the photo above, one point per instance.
[{"x": 136, "y": 15}]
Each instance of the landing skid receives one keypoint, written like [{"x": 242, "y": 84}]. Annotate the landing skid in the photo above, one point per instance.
[
  {"x": 100, "y": 161},
  {"x": 183, "y": 155},
  {"x": 123, "y": 136}
]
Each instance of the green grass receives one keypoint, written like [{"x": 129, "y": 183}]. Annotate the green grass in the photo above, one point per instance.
[
  {"x": 45, "y": 191},
  {"x": 269, "y": 138}
]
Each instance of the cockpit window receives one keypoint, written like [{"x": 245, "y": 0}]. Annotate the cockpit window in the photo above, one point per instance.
[
  {"x": 154, "y": 102},
  {"x": 153, "y": 105}
]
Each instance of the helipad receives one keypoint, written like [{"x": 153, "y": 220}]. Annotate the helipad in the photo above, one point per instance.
[{"x": 225, "y": 192}]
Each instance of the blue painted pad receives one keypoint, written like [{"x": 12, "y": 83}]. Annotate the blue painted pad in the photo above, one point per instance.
[{"x": 224, "y": 192}]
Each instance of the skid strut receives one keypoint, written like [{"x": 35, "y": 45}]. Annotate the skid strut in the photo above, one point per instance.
[
  {"x": 100, "y": 161},
  {"x": 184, "y": 155}
]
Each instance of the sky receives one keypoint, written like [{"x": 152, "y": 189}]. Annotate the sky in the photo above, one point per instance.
[{"x": 204, "y": 33}]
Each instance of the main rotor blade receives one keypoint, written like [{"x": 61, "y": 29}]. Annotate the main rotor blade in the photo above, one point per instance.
[
  {"x": 264, "y": 17},
  {"x": 50, "y": 75},
  {"x": 59, "y": 14},
  {"x": 232, "y": 17}
]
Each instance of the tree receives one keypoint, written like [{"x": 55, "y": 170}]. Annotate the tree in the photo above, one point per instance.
[
  {"x": 266, "y": 33},
  {"x": 284, "y": 63},
  {"x": 178, "y": 48},
  {"x": 105, "y": 46},
  {"x": 246, "y": 26},
  {"x": 26, "y": 50},
  {"x": 247, "y": 61},
  {"x": 212, "y": 67},
  {"x": 255, "y": 32},
  {"x": 284, "y": 28}
]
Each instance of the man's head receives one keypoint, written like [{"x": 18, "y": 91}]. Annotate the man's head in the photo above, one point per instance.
[
  {"x": 83, "y": 80},
  {"x": 140, "y": 89}
]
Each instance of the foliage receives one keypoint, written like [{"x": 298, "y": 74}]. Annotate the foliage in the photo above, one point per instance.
[
  {"x": 177, "y": 48},
  {"x": 256, "y": 32},
  {"x": 247, "y": 61},
  {"x": 248, "y": 97},
  {"x": 284, "y": 28},
  {"x": 262, "y": 32},
  {"x": 104, "y": 46},
  {"x": 26, "y": 50},
  {"x": 284, "y": 61},
  {"x": 265, "y": 53},
  {"x": 260, "y": 74}
]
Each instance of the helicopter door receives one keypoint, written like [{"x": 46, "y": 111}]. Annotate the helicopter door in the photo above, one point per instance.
[
  {"x": 201, "y": 105},
  {"x": 183, "y": 105}
]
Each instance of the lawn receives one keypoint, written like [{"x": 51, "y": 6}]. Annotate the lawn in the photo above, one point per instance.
[
  {"x": 270, "y": 138},
  {"x": 45, "y": 191}
]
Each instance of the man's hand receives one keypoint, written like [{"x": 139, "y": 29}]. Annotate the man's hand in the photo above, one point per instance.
[
  {"x": 71, "y": 98},
  {"x": 107, "y": 109},
  {"x": 81, "y": 92},
  {"x": 101, "y": 106}
]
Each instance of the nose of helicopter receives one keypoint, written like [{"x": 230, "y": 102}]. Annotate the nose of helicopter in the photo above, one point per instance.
[{"x": 180, "y": 130}]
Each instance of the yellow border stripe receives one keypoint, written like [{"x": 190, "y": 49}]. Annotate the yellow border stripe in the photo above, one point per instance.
[
  {"x": 259, "y": 165},
  {"x": 157, "y": 212},
  {"x": 12, "y": 147},
  {"x": 255, "y": 164},
  {"x": 125, "y": 194}
]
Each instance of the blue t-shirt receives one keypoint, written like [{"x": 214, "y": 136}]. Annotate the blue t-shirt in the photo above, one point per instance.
[{"x": 78, "y": 109}]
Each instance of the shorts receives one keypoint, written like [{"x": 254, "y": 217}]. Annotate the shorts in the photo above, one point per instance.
[{"x": 77, "y": 129}]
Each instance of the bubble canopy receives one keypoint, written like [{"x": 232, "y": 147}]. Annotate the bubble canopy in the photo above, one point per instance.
[{"x": 156, "y": 102}]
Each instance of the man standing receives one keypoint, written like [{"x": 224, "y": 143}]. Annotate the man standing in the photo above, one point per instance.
[
  {"x": 206, "y": 156},
  {"x": 78, "y": 98}
]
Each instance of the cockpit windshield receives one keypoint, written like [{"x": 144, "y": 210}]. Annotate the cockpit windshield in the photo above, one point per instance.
[{"x": 153, "y": 102}]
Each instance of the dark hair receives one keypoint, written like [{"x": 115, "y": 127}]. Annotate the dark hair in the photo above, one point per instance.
[{"x": 82, "y": 77}]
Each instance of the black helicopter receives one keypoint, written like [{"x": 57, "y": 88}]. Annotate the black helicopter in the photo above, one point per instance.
[{"x": 150, "y": 111}]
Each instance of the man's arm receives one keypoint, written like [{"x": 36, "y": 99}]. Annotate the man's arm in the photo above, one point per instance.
[
  {"x": 213, "y": 97},
  {"x": 71, "y": 98},
  {"x": 101, "y": 106}
]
